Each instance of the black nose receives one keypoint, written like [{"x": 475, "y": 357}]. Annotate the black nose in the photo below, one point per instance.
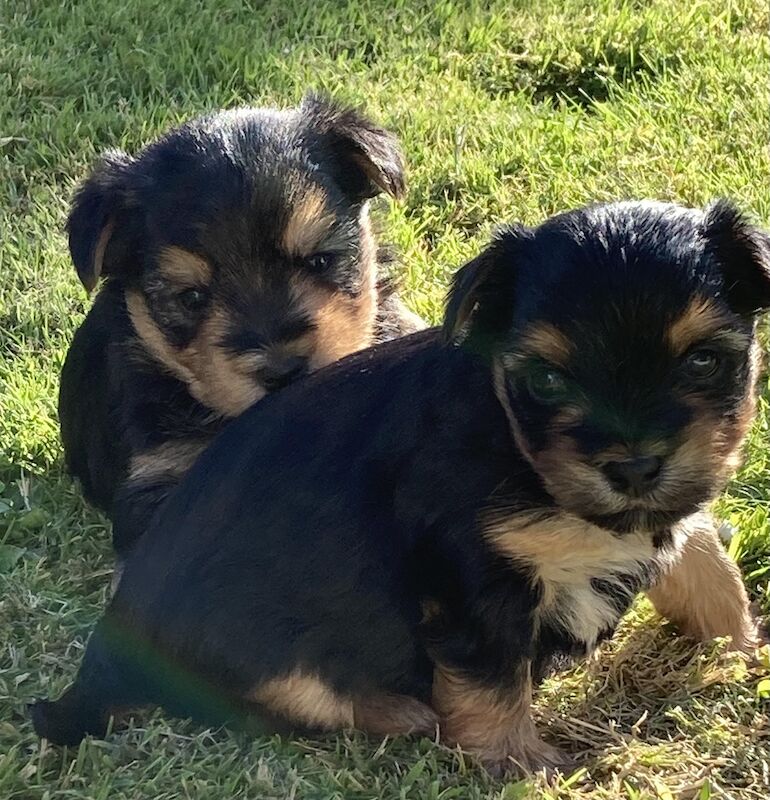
[
  {"x": 633, "y": 476},
  {"x": 277, "y": 374}
]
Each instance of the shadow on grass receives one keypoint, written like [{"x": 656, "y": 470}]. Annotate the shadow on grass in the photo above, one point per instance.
[
  {"x": 581, "y": 77},
  {"x": 640, "y": 693}
]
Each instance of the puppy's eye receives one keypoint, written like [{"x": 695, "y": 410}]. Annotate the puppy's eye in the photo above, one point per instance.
[
  {"x": 320, "y": 262},
  {"x": 701, "y": 363},
  {"x": 547, "y": 385},
  {"x": 193, "y": 299}
]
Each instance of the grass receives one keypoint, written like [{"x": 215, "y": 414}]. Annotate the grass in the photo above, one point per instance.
[{"x": 507, "y": 109}]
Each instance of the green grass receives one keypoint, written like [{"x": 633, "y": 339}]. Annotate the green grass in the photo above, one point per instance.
[{"x": 507, "y": 110}]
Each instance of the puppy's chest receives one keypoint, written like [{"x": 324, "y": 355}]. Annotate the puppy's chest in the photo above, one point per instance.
[{"x": 586, "y": 577}]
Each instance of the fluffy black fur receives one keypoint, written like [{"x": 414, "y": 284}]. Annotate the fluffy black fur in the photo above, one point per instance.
[
  {"x": 316, "y": 528},
  {"x": 222, "y": 188}
]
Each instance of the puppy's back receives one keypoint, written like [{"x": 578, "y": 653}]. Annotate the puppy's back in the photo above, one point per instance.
[
  {"x": 353, "y": 407},
  {"x": 297, "y": 487}
]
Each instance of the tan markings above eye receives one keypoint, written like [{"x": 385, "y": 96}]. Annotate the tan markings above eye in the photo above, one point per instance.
[
  {"x": 701, "y": 320},
  {"x": 184, "y": 268},
  {"x": 544, "y": 341},
  {"x": 739, "y": 341},
  {"x": 308, "y": 223},
  {"x": 511, "y": 361}
]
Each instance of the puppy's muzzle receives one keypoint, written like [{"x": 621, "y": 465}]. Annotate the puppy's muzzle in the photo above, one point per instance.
[
  {"x": 278, "y": 373},
  {"x": 634, "y": 477}
]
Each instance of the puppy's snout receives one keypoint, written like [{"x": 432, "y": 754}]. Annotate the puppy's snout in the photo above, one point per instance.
[
  {"x": 634, "y": 476},
  {"x": 279, "y": 373}
]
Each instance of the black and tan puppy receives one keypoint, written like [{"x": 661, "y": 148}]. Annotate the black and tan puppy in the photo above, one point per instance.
[
  {"x": 237, "y": 256},
  {"x": 411, "y": 535}
]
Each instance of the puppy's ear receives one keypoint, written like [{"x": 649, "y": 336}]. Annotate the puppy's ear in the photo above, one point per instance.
[
  {"x": 743, "y": 254},
  {"x": 480, "y": 299},
  {"x": 96, "y": 207},
  {"x": 370, "y": 157}
]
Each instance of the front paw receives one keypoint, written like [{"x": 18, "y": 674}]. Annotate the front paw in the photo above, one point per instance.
[
  {"x": 527, "y": 759},
  {"x": 757, "y": 634},
  {"x": 754, "y": 633}
]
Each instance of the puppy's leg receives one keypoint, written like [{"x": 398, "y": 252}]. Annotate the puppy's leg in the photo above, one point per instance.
[
  {"x": 308, "y": 701},
  {"x": 493, "y": 723},
  {"x": 394, "y": 715},
  {"x": 702, "y": 591}
]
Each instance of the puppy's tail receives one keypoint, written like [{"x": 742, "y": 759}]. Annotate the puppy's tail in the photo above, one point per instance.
[{"x": 101, "y": 686}]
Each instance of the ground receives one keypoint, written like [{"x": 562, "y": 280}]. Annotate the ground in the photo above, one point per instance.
[{"x": 507, "y": 110}]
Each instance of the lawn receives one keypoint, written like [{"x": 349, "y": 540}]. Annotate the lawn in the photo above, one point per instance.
[{"x": 507, "y": 110}]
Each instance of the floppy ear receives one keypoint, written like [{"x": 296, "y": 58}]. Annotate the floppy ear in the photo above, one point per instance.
[
  {"x": 743, "y": 254},
  {"x": 369, "y": 156},
  {"x": 480, "y": 298},
  {"x": 91, "y": 224}
]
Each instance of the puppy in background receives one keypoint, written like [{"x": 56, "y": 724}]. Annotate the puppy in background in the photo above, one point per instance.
[
  {"x": 237, "y": 255},
  {"x": 410, "y": 536}
]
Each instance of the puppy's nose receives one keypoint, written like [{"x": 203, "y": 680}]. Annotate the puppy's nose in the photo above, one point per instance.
[
  {"x": 634, "y": 476},
  {"x": 277, "y": 374}
]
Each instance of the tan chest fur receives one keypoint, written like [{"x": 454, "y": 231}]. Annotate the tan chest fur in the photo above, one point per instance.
[{"x": 565, "y": 556}]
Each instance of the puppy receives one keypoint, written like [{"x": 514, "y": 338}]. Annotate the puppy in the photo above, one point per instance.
[
  {"x": 237, "y": 255},
  {"x": 410, "y": 536}
]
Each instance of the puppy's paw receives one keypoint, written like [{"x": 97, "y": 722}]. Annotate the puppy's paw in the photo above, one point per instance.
[
  {"x": 533, "y": 758},
  {"x": 758, "y": 636},
  {"x": 394, "y": 715},
  {"x": 762, "y": 625},
  {"x": 754, "y": 633}
]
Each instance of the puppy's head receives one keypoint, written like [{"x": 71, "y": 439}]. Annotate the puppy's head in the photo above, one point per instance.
[
  {"x": 243, "y": 244},
  {"x": 624, "y": 347}
]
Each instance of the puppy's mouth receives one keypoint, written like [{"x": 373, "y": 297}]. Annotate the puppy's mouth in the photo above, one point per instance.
[
  {"x": 640, "y": 519},
  {"x": 584, "y": 492}
]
